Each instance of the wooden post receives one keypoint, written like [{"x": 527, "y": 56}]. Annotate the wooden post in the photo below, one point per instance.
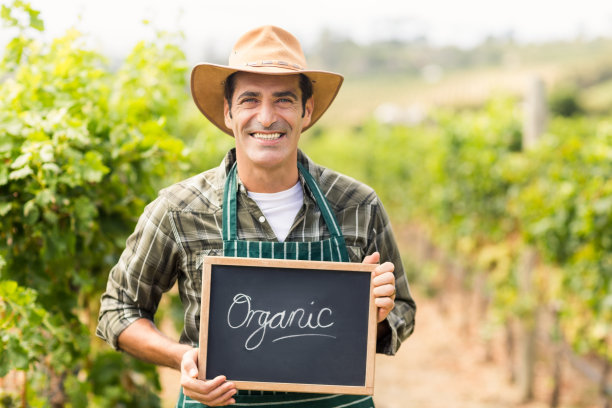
[
  {"x": 528, "y": 324},
  {"x": 556, "y": 337},
  {"x": 603, "y": 385},
  {"x": 535, "y": 111},
  {"x": 510, "y": 350},
  {"x": 535, "y": 121}
]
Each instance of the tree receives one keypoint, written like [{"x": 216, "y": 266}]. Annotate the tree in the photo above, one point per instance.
[{"x": 82, "y": 149}]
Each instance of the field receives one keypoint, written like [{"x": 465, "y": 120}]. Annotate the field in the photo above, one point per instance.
[
  {"x": 514, "y": 236},
  {"x": 361, "y": 96}
]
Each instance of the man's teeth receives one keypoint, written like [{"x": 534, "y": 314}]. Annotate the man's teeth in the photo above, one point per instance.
[{"x": 266, "y": 136}]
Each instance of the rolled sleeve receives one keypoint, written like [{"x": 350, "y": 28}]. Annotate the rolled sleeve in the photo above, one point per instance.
[
  {"x": 401, "y": 319},
  {"x": 146, "y": 269}
]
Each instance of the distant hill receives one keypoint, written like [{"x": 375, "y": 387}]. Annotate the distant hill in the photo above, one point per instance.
[{"x": 416, "y": 76}]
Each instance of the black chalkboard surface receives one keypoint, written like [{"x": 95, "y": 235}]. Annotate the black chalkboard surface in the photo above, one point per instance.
[{"x": 279, "y": 325}]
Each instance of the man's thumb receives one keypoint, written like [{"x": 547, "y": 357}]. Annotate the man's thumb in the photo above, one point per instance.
[
  {"x": 190, "y": 359},
  {"x": 372, "y": 259}
]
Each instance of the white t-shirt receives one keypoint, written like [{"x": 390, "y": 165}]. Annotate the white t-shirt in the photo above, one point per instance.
[{"x": 280, "y": 208}]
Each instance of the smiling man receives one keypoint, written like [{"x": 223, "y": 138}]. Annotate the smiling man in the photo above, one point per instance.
[
  {"x": 267, "y": 117},
  {"x": 265, "y": 190}
]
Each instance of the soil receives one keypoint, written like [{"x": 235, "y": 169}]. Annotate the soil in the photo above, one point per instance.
[{"x": 448, "y": 364}]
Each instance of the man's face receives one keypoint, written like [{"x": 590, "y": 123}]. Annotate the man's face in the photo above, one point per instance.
[{"x": 266, "y": 118}]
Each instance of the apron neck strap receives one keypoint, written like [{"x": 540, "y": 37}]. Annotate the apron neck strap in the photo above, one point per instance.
[
  {"x": 230, "y": 200},
  {"x": 229, "y": 205},
  {"x": 326, "y": 211}
]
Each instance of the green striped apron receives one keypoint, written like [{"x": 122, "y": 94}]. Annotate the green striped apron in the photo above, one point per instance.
[{"x": 332, "y": 249}]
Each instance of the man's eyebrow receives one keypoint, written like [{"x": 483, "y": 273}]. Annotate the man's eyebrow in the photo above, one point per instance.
[
  {"x": 284, "y": 94},
  {"x": 249, "y": 94}
]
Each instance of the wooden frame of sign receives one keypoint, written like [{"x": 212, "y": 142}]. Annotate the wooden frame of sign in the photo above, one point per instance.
[{"x": 284, "y": 325}]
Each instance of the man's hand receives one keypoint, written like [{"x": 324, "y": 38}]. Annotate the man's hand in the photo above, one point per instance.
[
  {"x": 216, "y": 392},
  {"x": 384, "y": 286}
]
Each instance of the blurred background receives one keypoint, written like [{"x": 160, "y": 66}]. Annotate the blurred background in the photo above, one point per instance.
[{"x": 485, "y": 128}]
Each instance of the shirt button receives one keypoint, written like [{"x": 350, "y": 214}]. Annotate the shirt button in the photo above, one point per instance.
[{"x": 262, "y": 219}]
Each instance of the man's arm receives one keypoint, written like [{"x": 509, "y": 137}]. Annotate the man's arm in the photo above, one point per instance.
[
  {"x": 384, "y": 293},
  {"x": 396, "y": 305},
  {"x": 144, "y": 341},
  {"x": 147, "y": 268}
]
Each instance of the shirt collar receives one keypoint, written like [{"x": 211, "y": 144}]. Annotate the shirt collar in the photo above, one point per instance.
[{"x": 230, "y": 159}]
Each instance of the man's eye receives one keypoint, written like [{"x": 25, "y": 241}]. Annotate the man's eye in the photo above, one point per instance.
[
  {"x": 248, "y": 101},
  {"x": 285, "y": 100}
]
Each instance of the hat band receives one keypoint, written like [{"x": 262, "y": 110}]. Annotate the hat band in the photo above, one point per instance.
[{"x": 275, "y": 63}]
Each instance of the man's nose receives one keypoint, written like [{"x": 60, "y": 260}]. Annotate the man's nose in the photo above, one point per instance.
[{"x": 266, "y": 115}]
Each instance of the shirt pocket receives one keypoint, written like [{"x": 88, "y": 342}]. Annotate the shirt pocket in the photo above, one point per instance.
[
  {"x": 193, "y": 290},
  {"x": 193, "y": 280},
  {"x": 355, "y": 253},
  {"x": 199, "y": 258}
]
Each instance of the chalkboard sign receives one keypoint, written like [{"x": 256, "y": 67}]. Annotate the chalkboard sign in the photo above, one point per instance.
[{"x": 280, "y": 325}]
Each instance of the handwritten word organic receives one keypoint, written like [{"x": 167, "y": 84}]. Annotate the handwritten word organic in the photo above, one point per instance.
[{"x": 241, "y": 315}]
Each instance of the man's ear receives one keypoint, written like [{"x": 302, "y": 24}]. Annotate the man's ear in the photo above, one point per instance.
[
  {"x": 308, "y": 109},
  {"x": 227, "y": 115}
]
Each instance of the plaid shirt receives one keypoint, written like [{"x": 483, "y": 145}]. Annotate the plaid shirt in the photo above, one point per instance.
[{"x": 183, "y": 225}]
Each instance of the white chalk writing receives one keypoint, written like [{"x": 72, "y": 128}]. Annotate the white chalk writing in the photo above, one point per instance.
[{"x": 241, "y": 315}]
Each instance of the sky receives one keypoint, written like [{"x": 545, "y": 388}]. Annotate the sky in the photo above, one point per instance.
[{"x": 114, "y": 26}]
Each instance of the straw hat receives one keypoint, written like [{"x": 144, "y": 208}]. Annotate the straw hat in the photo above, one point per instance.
[{"x": 265, "y": 50}]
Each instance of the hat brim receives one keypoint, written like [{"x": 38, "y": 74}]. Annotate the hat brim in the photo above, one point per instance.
[{"x": 208, "y": 85}]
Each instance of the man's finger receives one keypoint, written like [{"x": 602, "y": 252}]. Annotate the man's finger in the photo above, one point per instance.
[
  {"x": 225, "y": 399},
  {"x": 212, "y": 393},
  {"x": 200, "y": 386},
  {"x": 385, "y": 267},
  {"x": 386, "y": 278},
  {"x": 189, "y": 362},
  {"x": 384, "y": 291},
  {"x": 384, "y": 303},
  {"x": 372, "y": 259}
]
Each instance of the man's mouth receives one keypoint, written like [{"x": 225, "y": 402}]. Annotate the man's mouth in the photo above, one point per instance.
[{"x": 267, "y": 136}]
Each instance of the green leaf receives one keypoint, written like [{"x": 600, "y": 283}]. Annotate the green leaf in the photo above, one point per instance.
[
  {"x": 19, "y": 357},
  {"x": 46, "y": 153},
  {"x": 21, "y": 161},
  {"x": 21, "y": 173},
  {"x": 51, "y": 217},
  {"x": 5, "y": 208},
  {"x": 5, "y": 14},
  {"x": 45, "y": 197},
  {"x": 35, "y": 21},
  {"x": 5, "y": 366},
  {"x": 52, "y": 167},
  {"x": 603, "y": 205},
  {"x": 31, "y": 212},
  {"x": 4, "y": 175},
  {"x": 94, "y": 167},
  {"x": 7, "y": 287},
  {"x": 85, "y": 210}
]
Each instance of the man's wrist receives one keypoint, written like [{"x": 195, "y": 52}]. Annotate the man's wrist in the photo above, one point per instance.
[
  {"x": 179, "y": 352},
  {"x": 383, "y": 329}
]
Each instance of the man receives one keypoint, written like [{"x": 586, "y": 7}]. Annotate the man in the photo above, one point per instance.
[{"x": 265, "y": 98}]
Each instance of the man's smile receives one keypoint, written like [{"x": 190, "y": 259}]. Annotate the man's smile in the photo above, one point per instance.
[{"x": 267, "y": 136}]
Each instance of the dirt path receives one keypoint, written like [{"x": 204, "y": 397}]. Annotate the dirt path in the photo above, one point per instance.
[
  {"x": 436, "y": 367},
  {"x": 444, "y": 365}
]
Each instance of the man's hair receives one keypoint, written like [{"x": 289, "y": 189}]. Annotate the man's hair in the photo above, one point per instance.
[{"x": 305, "y": 87}]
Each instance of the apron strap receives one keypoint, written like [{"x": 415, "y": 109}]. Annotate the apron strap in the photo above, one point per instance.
[
  {"x": 229, "y": 206},
  {"x": 326, "y": 211},
  {"x": 230, "y": 214}
]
